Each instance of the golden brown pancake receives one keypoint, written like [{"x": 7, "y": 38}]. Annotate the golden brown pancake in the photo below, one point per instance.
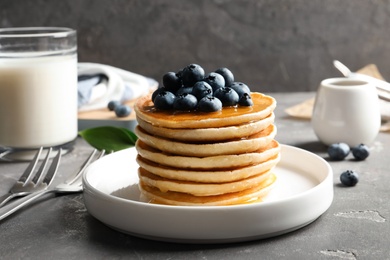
[
  {"x": 207, "y": 176},
  {"x": 209, "y": 162},
  {"x": 208, "y": 134},
  {"x": 229, "y": 116},
  {"x": 198, "y": 188},
  {"x": 250, "y": 195},
  {"x": 236, "y": 146}
]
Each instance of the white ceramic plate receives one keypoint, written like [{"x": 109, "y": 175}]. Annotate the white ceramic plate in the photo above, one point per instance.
[{"x": 303, "y": 192}]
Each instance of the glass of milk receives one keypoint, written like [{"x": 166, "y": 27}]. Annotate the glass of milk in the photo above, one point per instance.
[{"x": 38, "y": 88}]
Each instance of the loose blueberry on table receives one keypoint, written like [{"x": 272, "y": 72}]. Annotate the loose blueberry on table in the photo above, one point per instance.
[
  {"x": 122, "y": 111},
  {"x": 349, "y": 178},
  {"x": 119, "y": 109},
  {"x": 113, "y": 104},
  {"x": 360, "y": 152},
  {"x": 338, "y": 151}
]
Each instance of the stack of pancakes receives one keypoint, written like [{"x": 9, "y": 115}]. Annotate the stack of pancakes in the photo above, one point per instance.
[{"x": 218, "y": 158}]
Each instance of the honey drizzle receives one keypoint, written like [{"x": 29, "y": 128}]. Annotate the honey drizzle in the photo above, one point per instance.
[{"x": 260, "y": 103}]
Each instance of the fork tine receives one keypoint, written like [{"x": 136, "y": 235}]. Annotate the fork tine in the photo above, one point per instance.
[
  {"x": 82, "y": 167},
  {"x": 41, "y": 180},
  {"x": 102, "y": 153},
  {"x": 52, "y": 171},
  {"x": 85, "y": 165},
  {"x": 80, "y": 173},
  {"x": 38, "y": 176},
  {"x": 28, "y": 173}
]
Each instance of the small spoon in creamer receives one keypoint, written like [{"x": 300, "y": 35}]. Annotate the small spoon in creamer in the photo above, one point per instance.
[{"x": 382, "y": 87}]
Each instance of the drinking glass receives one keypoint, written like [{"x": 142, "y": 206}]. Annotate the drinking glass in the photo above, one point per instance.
[{"x": 38, "y": 88}]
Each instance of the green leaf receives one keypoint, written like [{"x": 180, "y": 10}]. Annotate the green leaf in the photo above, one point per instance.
[
  {"x": 132, "y": 137},
  {"x": 109, "y": 138}
]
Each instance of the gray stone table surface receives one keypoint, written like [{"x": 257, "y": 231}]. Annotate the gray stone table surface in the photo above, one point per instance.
[{"x": 356, "y": 226}]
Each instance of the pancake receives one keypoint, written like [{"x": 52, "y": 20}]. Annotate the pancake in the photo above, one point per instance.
[
  {"x": 217, "y": 158},
  {"x": 229, "y": 116},
  {"x": 236, "y": 146},
  {"x": 207, "y": 176},
  {"x": 200, "y": 189},
  {"x": 208, "y": 134},
  {"x": 254, "y": 194},
  {"x": 211, "y": 162}
]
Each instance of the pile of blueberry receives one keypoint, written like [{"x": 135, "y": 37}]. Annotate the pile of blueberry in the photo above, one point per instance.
[
  {"x": 191, "y": 89},
  {"x": 340, "y": 151}
]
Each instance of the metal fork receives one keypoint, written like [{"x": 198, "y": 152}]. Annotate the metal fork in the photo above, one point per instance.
[
  {"x": 30, "y": 181},
  {"x": 72, "y": 185}
]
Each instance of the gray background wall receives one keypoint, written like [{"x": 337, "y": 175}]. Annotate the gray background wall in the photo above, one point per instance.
[{"x": 271, "y": 45}]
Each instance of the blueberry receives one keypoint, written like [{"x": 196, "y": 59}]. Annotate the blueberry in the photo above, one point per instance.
[
  {"x": 192, "y": 74},
  {"x": 155, "y": 93},
  {"x": 202, "y": 89},
  {"x": 360, "y": 152},
  {"x": 185, "y": 102},
  {"x": 245, "y": 100},
  {"x": 113, "y": 104},
  {"x": 184, "y": 90},
  {"x": 122, "y": 111},
  {"x": 171, "y": 82},
  {"x": 349, "y": 178},
  {"x": 227, "y": 75},
  {"x": 338, "y": 151},
  {"x": 240, "y": 88},
  {"x": 209, "y": 104},
  {"x": 179, "y": 74},
  {"x": 164, "y": 100},
  {"x": 215, "y": 80},
  {"x": 228, "y": 96}
]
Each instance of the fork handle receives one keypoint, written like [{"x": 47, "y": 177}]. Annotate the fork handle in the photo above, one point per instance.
[
  {"x": 5, "y": 198},
  {"x": 15, "y": 206}
]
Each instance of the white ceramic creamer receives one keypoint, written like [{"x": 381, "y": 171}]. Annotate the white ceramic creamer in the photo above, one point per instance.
[{"x": 346, "y": 110}]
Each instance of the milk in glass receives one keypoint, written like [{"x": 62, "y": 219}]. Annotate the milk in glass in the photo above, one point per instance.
[{"x": 38, "y": 100}]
